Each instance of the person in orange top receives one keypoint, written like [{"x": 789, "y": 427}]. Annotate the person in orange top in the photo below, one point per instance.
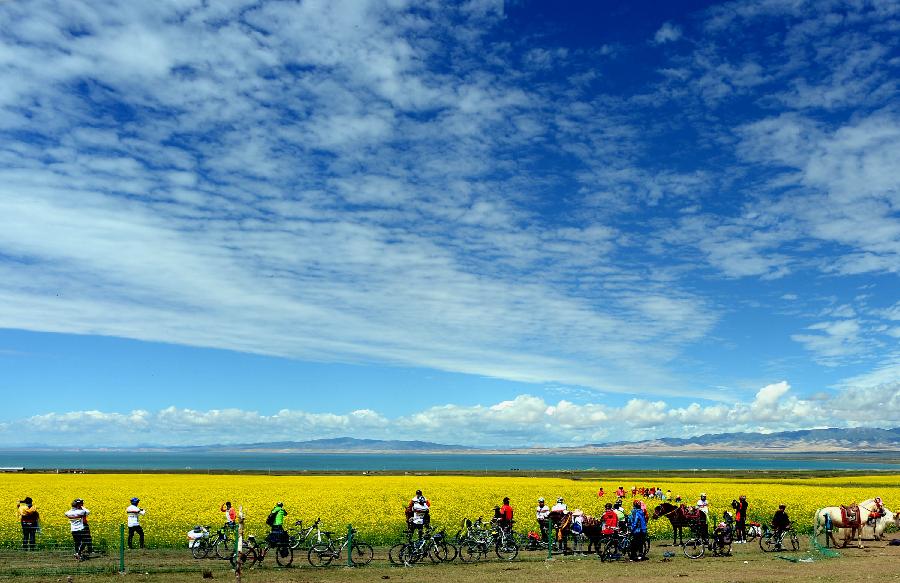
[{"x": 600, "y": 492}]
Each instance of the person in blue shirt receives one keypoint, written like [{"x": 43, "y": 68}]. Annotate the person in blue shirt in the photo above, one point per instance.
[{"x": 637, "y": 521}]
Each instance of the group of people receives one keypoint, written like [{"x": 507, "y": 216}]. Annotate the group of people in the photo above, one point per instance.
[
  {"x": 77, "y": 515},
  {"x": 639, "y": 491}
]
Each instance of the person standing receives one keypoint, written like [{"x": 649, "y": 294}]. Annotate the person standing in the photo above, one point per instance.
[
  {"x": 638, "y": 524},
  {"x": 419, "y": 516},
  {"x": 230, "y": 514},
  {"x": 134, "y": 513},
  {"x": 740, "y": 518},
  {"x": 506, "y": 515},
  {"x": 278, "y": 535},
  {"x": 81, "y": 532},
  {"x": 542, "y": 512},
  {"x": 28, "y": 516}
]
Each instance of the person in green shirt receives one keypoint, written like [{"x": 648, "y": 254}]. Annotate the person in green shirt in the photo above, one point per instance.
[{"x": 278, "y": 534}]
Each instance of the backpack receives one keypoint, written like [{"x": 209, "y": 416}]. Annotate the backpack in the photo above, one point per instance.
[{"x": 270, "y": 520}]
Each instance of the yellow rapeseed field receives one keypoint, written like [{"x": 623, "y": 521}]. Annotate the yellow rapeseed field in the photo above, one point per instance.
[{"x": 374, "y": 504}]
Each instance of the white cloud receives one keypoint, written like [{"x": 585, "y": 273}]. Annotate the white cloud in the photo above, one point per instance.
[
  {"x": 668, "y": 32},
  {"x": 525, "y": 420}
]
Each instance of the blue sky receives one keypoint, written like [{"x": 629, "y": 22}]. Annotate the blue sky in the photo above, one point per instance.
[{"x": 472, "y": 222}]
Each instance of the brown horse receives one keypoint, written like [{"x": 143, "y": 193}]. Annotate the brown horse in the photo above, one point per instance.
[
  {"x": 680, "y": 517},
  {"x": 591, "y": 528}
]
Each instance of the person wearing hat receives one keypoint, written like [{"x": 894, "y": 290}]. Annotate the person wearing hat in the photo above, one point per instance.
[
  {"x": 134, "y": 513},
  {"x": 542, "y": 512},
  {"x": 81, "y": 532},
  {"x": 28, "y": 516}
]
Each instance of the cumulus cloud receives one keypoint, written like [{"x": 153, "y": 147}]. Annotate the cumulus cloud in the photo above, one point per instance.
[{"x": 524, "y": 420}]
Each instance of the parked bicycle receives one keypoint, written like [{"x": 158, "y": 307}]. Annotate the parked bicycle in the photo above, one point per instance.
[
  {"x": 253, "y": 553},
  {"x": 434, "y": 546},
  {"x": 304, "y": 538},
  {"x": 322, "y": 554},
  {"x": 479, "y": 539},
  {"x": 695, "y": 546},
  {"x": 202, "y": 543},
  {"x": 616, "y": 546}
]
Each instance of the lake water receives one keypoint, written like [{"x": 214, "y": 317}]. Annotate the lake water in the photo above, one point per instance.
[{"x": 203, "y": 461}]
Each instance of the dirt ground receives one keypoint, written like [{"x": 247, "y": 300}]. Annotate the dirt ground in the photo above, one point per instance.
[{"x": 876, "y": 562}]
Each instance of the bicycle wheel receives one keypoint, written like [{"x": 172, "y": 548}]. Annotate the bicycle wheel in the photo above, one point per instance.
[
  {"x": 469, "y": 552},
  {"x": 410, "y": 555},
  {"x": 506, "y": 549},
  {"x": 752, "y": 533},
  {"x": 361, "y": 554},
  {"x": 248, "y": 557},
  {"x": 768, "y": 543},
  {"x": 610, "y": 551},
  {"x": 394, "y": 554},
  {"x": 224, "y": 548},
  {"x": 693, "y": 548},
  {"x": 795, "y": 542},
  {"x": 284, "y": 555},
  {"x": 452, "y": 552},
  {"x": 320, "y": 555},
  {"x": 200, "y": 549}
]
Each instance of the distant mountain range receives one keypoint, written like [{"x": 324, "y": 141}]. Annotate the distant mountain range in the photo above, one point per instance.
[
  {"x": 786, "y": 442},
  {"x": 808, "y": 440}
]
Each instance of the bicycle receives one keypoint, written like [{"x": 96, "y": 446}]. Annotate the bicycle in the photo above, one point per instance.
[
  {"x": 695, "y": 546},
  {"x": 479, "y": 539},
  {"x": 253, "y": 553},
  {"x": 615, "y": 546},
  {"x": 772, "y": 541},
  {"x": 322, "y": 554},
  {"x": 433, "y": 545},
  {"x": 304, "y": 538}
]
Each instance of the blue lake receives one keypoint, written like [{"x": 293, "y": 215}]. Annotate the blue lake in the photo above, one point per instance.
[{"x": 202, "y": 461}]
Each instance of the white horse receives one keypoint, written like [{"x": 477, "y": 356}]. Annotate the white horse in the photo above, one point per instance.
[{"x": 848, "y": 530}]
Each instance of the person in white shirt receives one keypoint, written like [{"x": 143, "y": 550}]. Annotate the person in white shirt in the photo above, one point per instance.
[
  {"x": 134, "y": 513},
  {"x": 543, "y": 517},
  {"x": 560, "y": 506},
  {"x": 420, "y": 513},
  {"x": 81, "y": 532},
  {"x": 703, "y": 505}
]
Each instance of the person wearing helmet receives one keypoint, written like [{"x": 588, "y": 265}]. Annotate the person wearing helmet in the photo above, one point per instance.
[
  {"x": 542, "y": 512},
  {"x": 740, "y": 518},
  {"x": 560, "y": 506},
  {"x": 277, "y": 534},
  {"x": 134, "y": 513},
  {"x": 506, "y": 515},
  {"x": 81, "y": 532}
]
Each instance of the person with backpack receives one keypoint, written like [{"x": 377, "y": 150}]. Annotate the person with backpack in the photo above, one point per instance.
[
  {"x": 28, "y": 517},
  {"x": 276, "y": 522}
]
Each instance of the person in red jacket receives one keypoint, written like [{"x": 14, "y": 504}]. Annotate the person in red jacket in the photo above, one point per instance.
[
  {"x": 506, "y": 515},
  {"x": 600, "y": 492},
  {"x": 610, "y": 521}
]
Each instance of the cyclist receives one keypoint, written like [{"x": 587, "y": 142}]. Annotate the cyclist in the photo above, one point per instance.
[
  {"x": 81, "y": 532},
  {"x": 780, "y": 523},
  {"x": 638, "y": 524},
  {"x": 134, "y": 513},
  {"x": 610, "y": 520},
  {"x": 278, "y": 534},
  {"x": 740, "y": 516},
  {"x": 543, "y": 518},
  {"x": 412, "y": 502}
]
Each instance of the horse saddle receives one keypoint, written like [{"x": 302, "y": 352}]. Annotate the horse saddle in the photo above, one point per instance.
[
  {"x": 850, "y": 514},
  {"x": 692, "y": 513}
]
